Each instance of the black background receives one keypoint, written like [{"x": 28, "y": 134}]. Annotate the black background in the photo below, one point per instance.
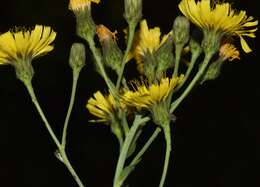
[{"x": 216, "y": 142}]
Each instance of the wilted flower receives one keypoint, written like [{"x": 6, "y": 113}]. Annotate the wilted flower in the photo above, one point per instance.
[
  {"x": 112, "y": 54},
  {"x": 228, "y": 51}
]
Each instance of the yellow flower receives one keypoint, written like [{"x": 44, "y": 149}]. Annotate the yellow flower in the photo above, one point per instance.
[
  {"x": 146, "y": 42},
  {"x": 220, "y": 18},
  {"x": 25, "y": 45},
  {"x": 102, "y": 107},
  {"x": 81, "y": 4},
  {"x": 228, "y": 51},
  {"x": 145, "y": 96}
]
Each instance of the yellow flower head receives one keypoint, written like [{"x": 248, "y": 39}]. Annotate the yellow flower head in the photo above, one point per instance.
[
  {"x": 229, "y": 51},
  {"x": 102, "y": 107},
  {"x": 146, "y": 41},
  {"x": 25, "y": 45},
  {"x": 81, "y": 4},
  {"x": 145, "y": 96},
  {"x": 220, "y": 17}
]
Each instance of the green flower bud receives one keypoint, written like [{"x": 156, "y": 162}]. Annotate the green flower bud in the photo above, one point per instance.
[
  {"x": 77, "y": 56},
  {"x": 181, "y": 30},
  {"x": 164, "y": 56},
  {"x": 133, "y": 10},
  {"x": 149, "y": 67},
  {"x": 213, "y": 71},
  {"x": 113, "y": 56},
  {"x": 195, "y": 46}
]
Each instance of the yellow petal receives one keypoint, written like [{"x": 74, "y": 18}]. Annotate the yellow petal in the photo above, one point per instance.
[{"x": 244, "y": 45}]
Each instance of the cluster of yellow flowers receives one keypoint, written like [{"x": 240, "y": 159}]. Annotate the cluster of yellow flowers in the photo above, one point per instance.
[
  {"x": 153, "y": 52},
  {"x": 218, "y": 18}
]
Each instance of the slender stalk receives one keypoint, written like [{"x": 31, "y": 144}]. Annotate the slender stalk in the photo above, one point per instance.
[
  {"x": 187, "y": 74},
  {"x": 197, "y": 77},
  {"x": 167, "y": 133},
  {"x": 178, "y": 51},
  {"x": 64, "y": 159},
  {"x": 137, "y": 158},
  {"x": 146, "y": 146},
  {"x": 70, "y": 168},
  {"x": 123, "y": 154},
  {"x": 128, "y": 48},
  {"x": 72, "y": 99},
  {"x": 98, "y": 60},
  {"x": 29, "y": 87}
]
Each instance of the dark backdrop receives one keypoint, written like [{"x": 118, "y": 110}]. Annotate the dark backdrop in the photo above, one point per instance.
[{"x": 216, "y": 142}]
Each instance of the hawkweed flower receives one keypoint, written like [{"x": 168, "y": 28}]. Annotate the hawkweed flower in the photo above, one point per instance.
[
  {"x": 81, "y": 5},
  {"x": 104, "y": 107},
  {"x": 112, "y": 54},
  {"x": 146, "y": 43},
  {"x": 19, "y": 48},
  {"x": 152, "y": 97},
  {"x": 145, "y": 95},
  {"x": 82, "y": 10},
  {"x": 220, "y": 19}
]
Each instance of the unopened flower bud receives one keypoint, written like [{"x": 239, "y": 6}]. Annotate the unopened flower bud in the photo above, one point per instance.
[
  {"x": 213, "y": 71},
  {"x": 113, "y": 56},
  {"x": 133, "y": 10},
  {"x": 164, "y": 57},
  {"x": 77, "y": 56},
  {"x": 194, "y": 46},
  {"x": 181, "y": 30}
]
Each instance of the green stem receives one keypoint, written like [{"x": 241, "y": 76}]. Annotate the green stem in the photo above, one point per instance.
[
  {"x": 167, "y": 133},
  {"x": 188, "y": 72},
  {"x": 146, "y": 146},
  {"x": 98, "y": 60},
  {"x": 70, "y": 168},
  {"x": 72, "y": 99},
  {"x": 123, "y": 154},
  {"x": 128, "y": 48},
  {"x": 197, "y": 77},
  {"x": 65, "y": 160},
  {"x": 29, "y": 87},
  {"x": 178, "y": 51},
  {"x": 137, "y": 158}
]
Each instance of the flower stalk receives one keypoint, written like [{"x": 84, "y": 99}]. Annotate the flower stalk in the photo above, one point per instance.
[{"x": 61, "y": 149}]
